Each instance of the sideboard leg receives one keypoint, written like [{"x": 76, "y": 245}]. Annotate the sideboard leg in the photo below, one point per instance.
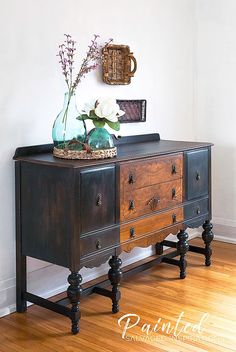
[
  {"x": 207, "y": 237},
  {"x": 182, "y": 247},
  {"x": 115, "y": 276},
  {"x": 159, "y": 248},
  {"x": 20, "y": 282},
  {"x": 74, "y": 292}
]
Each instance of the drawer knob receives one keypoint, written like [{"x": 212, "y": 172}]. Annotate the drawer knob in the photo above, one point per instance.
[
  {"x": 198, "y": 177},
  {"x": 174, "y": 219},
  {"x": 132, "y": 179},
  {"x": 98, "y": 245},
  {"x": 153, "y": 202},
  {"x": 131, "y": 205},
  {"x": 174, "y": 171},
  {"x": 198, "y": 211},
  {"x": 173, "y": 193},
  {"x": 132, "y": 232},
  {"x": 99, "y": 200}
]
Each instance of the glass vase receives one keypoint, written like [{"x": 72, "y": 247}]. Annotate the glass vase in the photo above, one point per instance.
[
  {"x": 68, "y": 131},
  {"x": 100, "y": 138}
]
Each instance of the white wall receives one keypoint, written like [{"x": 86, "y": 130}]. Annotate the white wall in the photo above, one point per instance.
[
  {"x": 216, "y": 103},
  {"x": 160, "y": 32}
]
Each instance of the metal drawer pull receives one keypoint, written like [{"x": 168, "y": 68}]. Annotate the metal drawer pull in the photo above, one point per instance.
[
  {"x": 99, "y": 200},
  {"x": 98, "y": 245},
  {"x": 173, "y": 193},
  {"x": 132, "y": 232},
  {"x": 153, "y": 202},
  {"x": 174, "y": 219},
  {"x": 198, "y": 177},
  {"x": 198, "y": 211},
  {"x": 131, "y": 205},
  {"x": 132, "y": 178},
  {"x": 174, "y": 171}
]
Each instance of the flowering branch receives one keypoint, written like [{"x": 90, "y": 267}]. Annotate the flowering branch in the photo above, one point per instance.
[
  {"x": 92, "y": 60},
  {"x": 66, "y": 55}
]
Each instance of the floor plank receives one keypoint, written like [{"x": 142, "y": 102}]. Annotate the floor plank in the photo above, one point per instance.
[{"x": 154, "y": 294}]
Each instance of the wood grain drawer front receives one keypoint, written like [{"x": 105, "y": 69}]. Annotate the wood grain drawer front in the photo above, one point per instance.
[
  {"x": 194, "y": 209},
  {"x": 150, "y": 224},
  {"x": 98, "y": 198},
  {"x": 147, "y": 200},
  {"x": 138, "y": 174},
  {"x": 99, "y": 241}
]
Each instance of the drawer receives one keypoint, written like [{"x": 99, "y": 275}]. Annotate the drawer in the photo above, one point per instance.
[
  {"x": 197, "y": 173},
  {"x": 147, "y": 200},
  {"x": 98, "y": 198},
  {"x": 197, "y": 208},
  {"x": 143, "y": 173},
  {"x": 150, "y": 224},
  {"x": 99, "y": 241}
]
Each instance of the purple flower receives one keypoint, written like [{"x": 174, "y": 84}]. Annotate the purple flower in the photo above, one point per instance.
[{"x": 92, "y": 60}]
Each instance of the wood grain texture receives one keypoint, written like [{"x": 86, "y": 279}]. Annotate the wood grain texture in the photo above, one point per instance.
[
  {"x": 139, "y": 202},
  {"x": 150, "y": 224},
  {"x": 143, "y": 173},
  {"x": 155, "y": 293},
  {"x": 151, "y": 239}
]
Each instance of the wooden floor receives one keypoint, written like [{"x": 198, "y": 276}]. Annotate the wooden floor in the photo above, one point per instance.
[{"x": 153, "y": 294}]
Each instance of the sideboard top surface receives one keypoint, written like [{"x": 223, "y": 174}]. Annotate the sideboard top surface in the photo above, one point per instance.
[{"x": 125, "y": 151}]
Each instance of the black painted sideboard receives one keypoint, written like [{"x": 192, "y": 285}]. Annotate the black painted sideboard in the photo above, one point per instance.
[{"x": 81, "y": 213}]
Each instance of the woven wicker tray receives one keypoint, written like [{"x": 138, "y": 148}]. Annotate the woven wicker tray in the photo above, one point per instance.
[{"x": 83, "y": 154}]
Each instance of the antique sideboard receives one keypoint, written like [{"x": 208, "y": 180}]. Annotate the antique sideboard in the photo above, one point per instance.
[{"x": 81, "y": 213}]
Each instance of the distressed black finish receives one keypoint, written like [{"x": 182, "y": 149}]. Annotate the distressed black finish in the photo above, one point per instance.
[
  {"x": 97, "y": 198},
  {"x": 68, "y": 213},
  {"x": 197, "y": 173},
  {"x": 182, "y": 247},
  {"x": 74, "y": 292},
  {"x": 115, "y": 276},
  {"x": 196, "y": 208},
  {"x": 20, "y": 258},
  {"x": 207, "y": 237},
  {"x": 96, "y": 242}
]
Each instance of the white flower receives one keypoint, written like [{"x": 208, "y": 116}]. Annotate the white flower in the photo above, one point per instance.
[
  {"x": 88, "y": 107},
  {"x": 108, "y": 108}
]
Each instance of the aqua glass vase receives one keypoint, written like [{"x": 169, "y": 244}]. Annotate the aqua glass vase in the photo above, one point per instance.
[
  {"x": 68, "y": 131},
  {"x": 100, "y": 138}
]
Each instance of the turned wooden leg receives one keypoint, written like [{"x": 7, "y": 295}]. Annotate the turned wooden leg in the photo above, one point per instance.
[
  {"x": 207, "y": 237},
  {"x": 159, "y": 248},
  {"x": 74, "y": 292},
  {"x": 182, "y": 247},
  {"x": 115, "y": 276}
]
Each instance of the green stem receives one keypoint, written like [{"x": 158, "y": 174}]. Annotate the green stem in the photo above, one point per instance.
[{"x": 64, "y": 120}]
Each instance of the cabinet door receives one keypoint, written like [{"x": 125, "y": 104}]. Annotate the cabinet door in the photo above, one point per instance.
[
  {"x": 98, "y": 198},
  {"x": 197, "y": 173}
]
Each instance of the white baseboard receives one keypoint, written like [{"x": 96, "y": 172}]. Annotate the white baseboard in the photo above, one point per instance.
[
  {"x": 224, "y": 222},
  {"x": 43, "y": 273},
  {"x": 225, "y": 233}
]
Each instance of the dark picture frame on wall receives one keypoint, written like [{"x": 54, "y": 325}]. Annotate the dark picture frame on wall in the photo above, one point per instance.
[{"x": 135, "y": 110}]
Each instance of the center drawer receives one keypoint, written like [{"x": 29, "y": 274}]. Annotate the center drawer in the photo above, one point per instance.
[
  {"x": 150, "y": 224},
  {"x": 143, "y": 173},
  {"x": 147, "y": 200}
]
